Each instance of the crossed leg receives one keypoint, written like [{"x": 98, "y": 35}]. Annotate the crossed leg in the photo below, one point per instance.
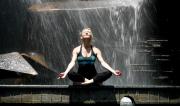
[{"x": 99, "y": 78}]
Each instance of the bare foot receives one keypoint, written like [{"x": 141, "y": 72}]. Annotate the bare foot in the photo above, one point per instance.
[{"x": 87, "y": 81}]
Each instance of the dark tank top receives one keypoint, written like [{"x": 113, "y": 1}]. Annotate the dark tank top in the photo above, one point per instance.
[{"x": 86, "y": 64}]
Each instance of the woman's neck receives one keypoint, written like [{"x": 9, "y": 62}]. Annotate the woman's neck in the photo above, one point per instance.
[{"x": 86, "y": 45}]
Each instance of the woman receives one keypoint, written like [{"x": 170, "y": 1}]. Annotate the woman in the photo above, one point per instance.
[{"x": 86, "y": 54}]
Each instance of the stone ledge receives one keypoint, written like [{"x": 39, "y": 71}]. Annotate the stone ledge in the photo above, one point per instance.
[{"x": 89, "y": 95}]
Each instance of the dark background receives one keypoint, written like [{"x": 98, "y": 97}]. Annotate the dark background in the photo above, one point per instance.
[
  {"x": 13, "y": 16},
  {"x": 165, "y": 25}
]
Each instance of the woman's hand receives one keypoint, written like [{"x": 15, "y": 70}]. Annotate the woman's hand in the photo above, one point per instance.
[
  {"x": 61, "y": 75},
  {"x": 118, "y": 73}
]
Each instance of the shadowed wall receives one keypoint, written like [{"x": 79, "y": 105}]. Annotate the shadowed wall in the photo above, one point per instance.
[{"x": 131, "y": 38}]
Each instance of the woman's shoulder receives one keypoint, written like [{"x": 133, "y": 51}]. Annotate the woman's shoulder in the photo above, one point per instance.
[
  {"x": 95, "y": 49},
  {"x": 77, "y": 49}
]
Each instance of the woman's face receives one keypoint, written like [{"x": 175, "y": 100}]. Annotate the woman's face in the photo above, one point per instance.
[{"x": 86, "y": 34}]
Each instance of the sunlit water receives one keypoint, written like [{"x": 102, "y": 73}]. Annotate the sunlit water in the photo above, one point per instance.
[{"x": 54, "y": 31}]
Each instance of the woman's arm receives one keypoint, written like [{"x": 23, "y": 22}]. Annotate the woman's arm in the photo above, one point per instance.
[
  {"x": 104, "y": 64},
  {"x": 71, "y": 64}
]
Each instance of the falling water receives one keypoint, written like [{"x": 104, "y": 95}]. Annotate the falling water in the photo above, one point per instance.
[
  {"x": 53, "y": 29},
  {"x": 55, "y": 32}
]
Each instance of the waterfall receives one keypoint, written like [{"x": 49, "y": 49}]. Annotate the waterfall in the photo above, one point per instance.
[{"x": 52, "y": 29}]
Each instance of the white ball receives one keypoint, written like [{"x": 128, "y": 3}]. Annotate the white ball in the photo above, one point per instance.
[{"x": 126, "y": 101}]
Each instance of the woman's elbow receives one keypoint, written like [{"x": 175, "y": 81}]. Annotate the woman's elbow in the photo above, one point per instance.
[
  {"x": 103, "y": 63},
  {"x": 72, "y": 63}
]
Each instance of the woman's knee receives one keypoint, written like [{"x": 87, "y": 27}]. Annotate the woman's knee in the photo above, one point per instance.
[
  {"x": 70, "y": 74},
  {"x": 108, "y": 73},
  {"x": 75, "y": 77}
]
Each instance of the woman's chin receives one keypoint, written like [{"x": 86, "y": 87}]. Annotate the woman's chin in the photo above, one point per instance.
[{"x": 87, "y": 39}]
